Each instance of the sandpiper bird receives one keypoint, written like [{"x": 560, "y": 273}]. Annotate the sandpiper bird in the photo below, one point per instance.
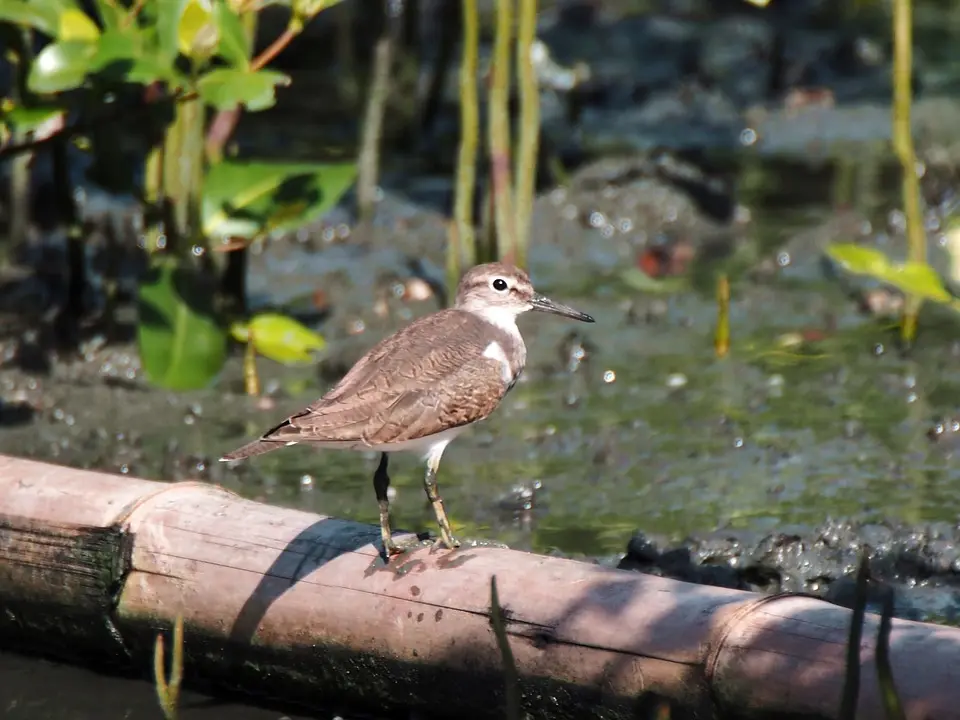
[{"x": 421, "y": 387}]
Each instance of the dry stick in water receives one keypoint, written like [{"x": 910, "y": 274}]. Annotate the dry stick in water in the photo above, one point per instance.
[
  {"x": 168, "y": 691},
  {"x": 509, "y": 666},
  {"x": 373, "y": 120},
  {"x": 462, "y": 251},
  {"x": 903, "y": 145},
  {"x": 529, "y": 140},
  {"x": 499, "y": 124}
]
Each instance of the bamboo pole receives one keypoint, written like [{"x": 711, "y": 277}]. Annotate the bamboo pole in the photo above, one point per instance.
[{"x": 287, "y": 603}]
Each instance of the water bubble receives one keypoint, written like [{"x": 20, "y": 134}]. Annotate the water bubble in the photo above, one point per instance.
[
  {"x": 609, "y": 376},
  {"x": 197, "y": 250},
  {"x": 783, "y": 259},
  {"x": 328, "y": 234},
  {"x": 597, "y": 219},
  {"x": 748, "y": 137},
  {"x": 306, "y": 482},
  {"x": 878, "y": 349},
  {"x": 161, "y": 242},
  {"x": 911, "y": 397},
  {"x": 676, "y": 380},
  {"x": 738, "y": 442},
  {"x": 607, "y": 231},
  {"x": 625, "y": 224}
]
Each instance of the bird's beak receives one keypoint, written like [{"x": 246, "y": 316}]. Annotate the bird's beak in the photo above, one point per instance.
[{"x": 545, "y": 304}]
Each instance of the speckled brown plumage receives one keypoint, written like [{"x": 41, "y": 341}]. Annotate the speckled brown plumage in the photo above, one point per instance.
[{"x": 428, "y": 377}]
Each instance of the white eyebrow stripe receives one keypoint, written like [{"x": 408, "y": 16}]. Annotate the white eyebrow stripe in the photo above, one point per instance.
[{"x": 494, "y": 351}]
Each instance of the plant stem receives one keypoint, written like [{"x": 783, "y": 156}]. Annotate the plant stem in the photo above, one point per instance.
[
  {"x": 499, "y": 127},
  {"x": 373, "y": 121},
  {"x": 529, "y": 140},
  {"x": 721, "y": 342},
  {"x": 463, "y": 253},
  {"x": 903, "y": 146}
]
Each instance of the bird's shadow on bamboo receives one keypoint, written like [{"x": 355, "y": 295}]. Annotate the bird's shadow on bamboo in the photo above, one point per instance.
[{"x": 313, "y": 547}]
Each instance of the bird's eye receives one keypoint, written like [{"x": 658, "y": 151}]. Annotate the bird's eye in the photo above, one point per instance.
[{"x": 499, "y": 284}]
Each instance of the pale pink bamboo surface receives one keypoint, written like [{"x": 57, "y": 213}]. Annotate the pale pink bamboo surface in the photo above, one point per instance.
[{"x": 280, "y": 601}]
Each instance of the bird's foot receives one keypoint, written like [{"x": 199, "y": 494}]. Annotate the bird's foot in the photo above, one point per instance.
[
  {"x": 394, "y": 547},
  {"x": 446, "y": 540}
]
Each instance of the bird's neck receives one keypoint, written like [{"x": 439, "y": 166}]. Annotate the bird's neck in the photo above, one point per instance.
[
  {"x": 508, "y": 345},
  {"x": 502, "y": 319}
]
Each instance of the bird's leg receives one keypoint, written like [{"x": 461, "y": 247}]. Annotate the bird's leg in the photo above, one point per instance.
[
  {"x": 433, "y": 494},
  {"x": 381, "y": 483}
]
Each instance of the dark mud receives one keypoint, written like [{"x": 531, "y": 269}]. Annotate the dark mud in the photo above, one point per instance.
[{"x": 920, "y": 563}]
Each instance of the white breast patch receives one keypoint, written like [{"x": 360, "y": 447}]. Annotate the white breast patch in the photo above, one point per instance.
[{"x": 494, "y": 351}]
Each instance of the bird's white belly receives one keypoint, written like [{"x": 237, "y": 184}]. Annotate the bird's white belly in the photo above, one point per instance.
[{"x": 425, "y": 446}]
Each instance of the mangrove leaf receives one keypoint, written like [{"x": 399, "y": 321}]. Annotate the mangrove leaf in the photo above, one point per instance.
[
  {"x": 60, "y": 66},
  {"x": 197, "y": 33},
  {"x": 226, "y": 88},
  {"x": 42, "y": 15},
  {"x": 182, "y": 346},
  {"x": 74, "y": 25},
  {"x": 111, "y": 15},
  {"x": 234, "y": 45},
  {"x": 248, "y": 199},
  {"x": 912, "y": 278},
  {"x": 167, "y": 25},
  {"x": 279, "y": 338}
]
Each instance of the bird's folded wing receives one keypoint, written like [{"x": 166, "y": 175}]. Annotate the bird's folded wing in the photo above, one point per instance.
[{"x": 403, "y": 391}]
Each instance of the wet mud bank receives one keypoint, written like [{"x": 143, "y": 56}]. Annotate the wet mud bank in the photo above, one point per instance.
[{"x": 920, "y": 564}]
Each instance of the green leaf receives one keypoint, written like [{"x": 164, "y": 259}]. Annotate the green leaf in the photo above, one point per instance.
[
  {"x": 167, "y": 24},
  {"x": 60, "y": 66},
  {"x": 234, "y": 46},
  {"x": 918, "y": 279},
  {"x": 226, "y": 88},
  {"x": 123, "y": 51},
  {"x": 248, "y": 199},
  {"x": 111, "y": 14},
  {"x": 41, "y": 15},
  {"x": 858, "y": 259},
  {"x": 280, "y": 338},
  {"x": 197, "y": 34},
  {"x": 911, "y": 278},
  {"x": 182, "y": 346},
  {"x": 74, "y": 25}
]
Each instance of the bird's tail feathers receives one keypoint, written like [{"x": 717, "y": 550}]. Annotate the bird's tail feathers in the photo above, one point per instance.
[{"x": 252, "y": 449}]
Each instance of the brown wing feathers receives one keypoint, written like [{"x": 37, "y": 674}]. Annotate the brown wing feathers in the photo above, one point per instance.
[{"x": 394, "y": 392}]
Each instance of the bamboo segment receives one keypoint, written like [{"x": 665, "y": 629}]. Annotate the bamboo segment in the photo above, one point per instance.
[{"x": 286, "y": 603}]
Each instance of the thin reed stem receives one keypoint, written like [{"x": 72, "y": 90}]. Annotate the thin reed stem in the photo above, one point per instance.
[
  {"x": 462, "y": 250},
  {"x": 499, "y": 126},
  {"x": 903, "y": 146},
  {"x": 529, "y": 140}
]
